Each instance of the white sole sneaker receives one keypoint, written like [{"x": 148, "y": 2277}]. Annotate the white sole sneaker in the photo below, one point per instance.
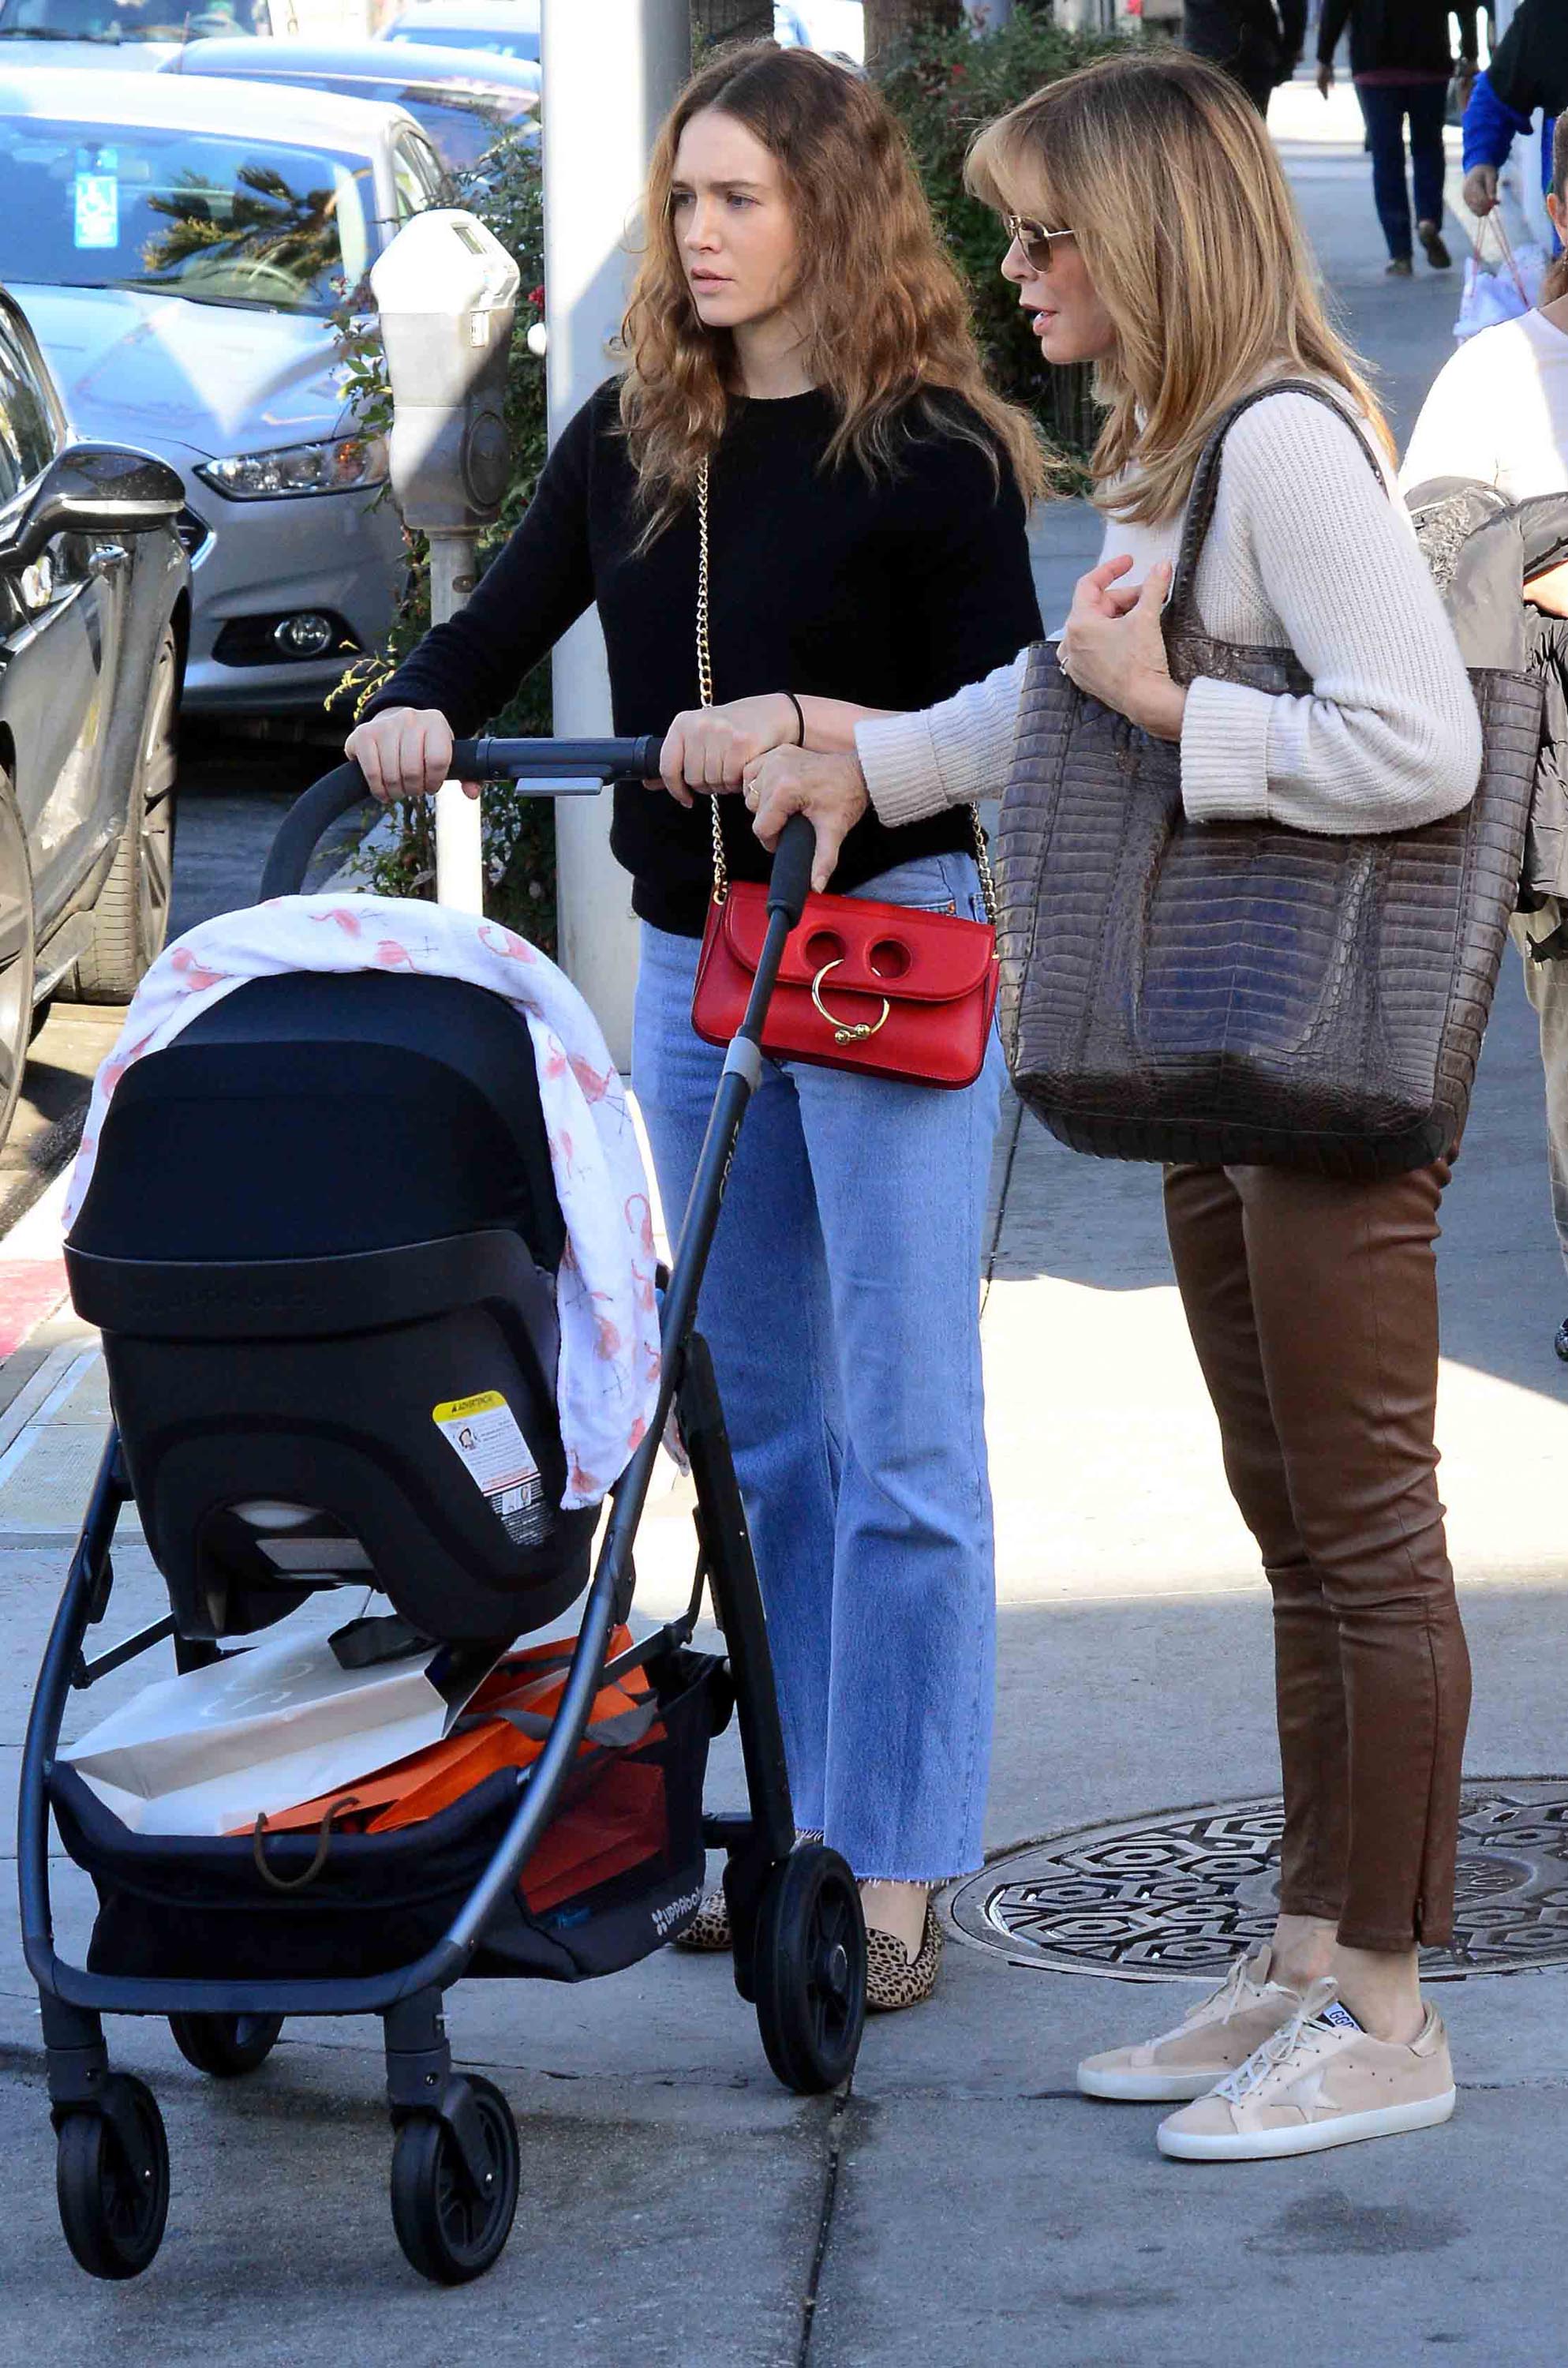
[
  {"x": 1307, "y": 2137},
  {"x": 1149, "y": 2087}
]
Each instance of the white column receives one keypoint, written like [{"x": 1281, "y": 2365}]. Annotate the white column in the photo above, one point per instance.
[
  {"x": 611, "y": 71},
  {"x": 459, "y": 840}
]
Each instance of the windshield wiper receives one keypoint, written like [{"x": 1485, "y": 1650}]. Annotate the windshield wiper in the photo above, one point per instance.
[
  {"x": 191, "y": 296},
  {"x": 48, "y": 33}
]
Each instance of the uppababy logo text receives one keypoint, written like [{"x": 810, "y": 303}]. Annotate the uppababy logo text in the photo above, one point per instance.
[{"x": 665, "y": 1917}]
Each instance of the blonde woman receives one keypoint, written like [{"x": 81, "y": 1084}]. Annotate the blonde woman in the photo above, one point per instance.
[
  {"x": 797, "y": 327},
  {"x": 1152, "y": 234}
]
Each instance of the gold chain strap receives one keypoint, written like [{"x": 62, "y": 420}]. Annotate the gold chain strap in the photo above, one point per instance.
[
  {"x": 983, "y": 865},
  {"x": 705, "y": 694},
  {"x": 705, "y": 674}
]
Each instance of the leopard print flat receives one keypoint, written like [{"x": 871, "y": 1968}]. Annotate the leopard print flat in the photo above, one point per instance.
[
  {"x": 709, "y": 1931},
  {"x": 893, "y": 1978}
]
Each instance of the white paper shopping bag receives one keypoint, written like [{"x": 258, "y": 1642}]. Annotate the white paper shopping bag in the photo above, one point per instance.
[{"x": 267, "y": 1727}]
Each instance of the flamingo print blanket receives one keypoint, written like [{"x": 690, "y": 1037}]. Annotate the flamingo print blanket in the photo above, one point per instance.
[{"x": 609, "y": 1376}]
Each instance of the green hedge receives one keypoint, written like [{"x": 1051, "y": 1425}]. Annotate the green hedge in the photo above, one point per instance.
[{"x": 943, "y": 88}]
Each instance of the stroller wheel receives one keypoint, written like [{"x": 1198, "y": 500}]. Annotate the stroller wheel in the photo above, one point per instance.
[
  {"x": 449, "y": 2232},
  {"x": 225, "y": 2044},
  {"x": 111, "y": 2176},
  {"x": 810, "y": 1970}
]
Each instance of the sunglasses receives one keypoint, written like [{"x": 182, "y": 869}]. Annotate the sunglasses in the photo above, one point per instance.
[{"x": 1033, "y": 241}]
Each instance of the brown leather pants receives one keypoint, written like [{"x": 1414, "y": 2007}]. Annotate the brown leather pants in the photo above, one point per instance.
[{"x": 1313, "y": 1309}]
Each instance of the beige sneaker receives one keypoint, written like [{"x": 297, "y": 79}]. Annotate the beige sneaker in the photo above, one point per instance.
[
  {"x": 1319, "y": 2081},
  {"x": 1215, "y": 2037}
]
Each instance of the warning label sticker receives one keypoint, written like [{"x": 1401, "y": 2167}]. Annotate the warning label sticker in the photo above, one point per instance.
[{"x": 486, "y": 1434}]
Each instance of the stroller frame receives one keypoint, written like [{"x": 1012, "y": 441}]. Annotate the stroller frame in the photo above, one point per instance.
[{"x": 798, "y": 1937}]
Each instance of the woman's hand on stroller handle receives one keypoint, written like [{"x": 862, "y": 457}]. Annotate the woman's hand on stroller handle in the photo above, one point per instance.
[
  {"x": 708, "y": 749},
  {"x": 403, "y": 752},
  {"x": 830, "y": 791}
]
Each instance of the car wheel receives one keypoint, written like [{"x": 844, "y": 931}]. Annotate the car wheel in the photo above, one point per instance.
[
  {"x": 15, "y": 955},
  {"x": 131, "y": 919}
]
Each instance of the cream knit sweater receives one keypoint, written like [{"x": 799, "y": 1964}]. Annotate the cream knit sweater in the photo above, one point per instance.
[{"x": 1307, "y": 552}]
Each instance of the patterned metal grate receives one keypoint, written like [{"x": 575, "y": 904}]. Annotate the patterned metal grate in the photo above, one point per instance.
[{"x": 1174, "y": 1894}]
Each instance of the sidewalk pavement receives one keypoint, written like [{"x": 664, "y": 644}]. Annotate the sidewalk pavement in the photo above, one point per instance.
[{"x": 962, "y": 2205}]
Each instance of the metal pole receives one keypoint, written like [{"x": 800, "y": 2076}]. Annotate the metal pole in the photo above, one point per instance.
[
  {"x": 459, "y": 846},
  {"x": 611, "y": 71}
]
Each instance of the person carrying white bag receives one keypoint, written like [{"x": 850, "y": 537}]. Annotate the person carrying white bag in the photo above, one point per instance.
[{"x": 1498, "y": 414}]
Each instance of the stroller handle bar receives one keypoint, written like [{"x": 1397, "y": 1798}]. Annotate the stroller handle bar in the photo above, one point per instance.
[{"x": 561, "y": 768}]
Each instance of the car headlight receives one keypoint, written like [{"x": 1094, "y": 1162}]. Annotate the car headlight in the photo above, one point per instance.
[{"x": 339, "y": 466}]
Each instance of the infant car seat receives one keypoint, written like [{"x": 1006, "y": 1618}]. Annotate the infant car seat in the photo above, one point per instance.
[{"x": 322, "y": 1224}]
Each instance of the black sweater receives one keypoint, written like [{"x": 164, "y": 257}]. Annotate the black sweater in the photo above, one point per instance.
[
  {"x": 1397, "y": 37},
  {"x": 893, "y": 595},
  {"x": 1529, "y": 66},
  {"x": 1246, "y": 33}
]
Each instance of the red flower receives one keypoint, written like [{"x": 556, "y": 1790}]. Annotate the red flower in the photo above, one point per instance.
[{"x": 536, "y": 297}]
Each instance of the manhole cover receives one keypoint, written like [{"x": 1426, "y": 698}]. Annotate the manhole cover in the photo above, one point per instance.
[{"x": 1175, "y": 1894}]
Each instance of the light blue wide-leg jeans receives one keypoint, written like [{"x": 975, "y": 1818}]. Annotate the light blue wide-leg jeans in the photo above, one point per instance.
[{"x": 842, "y": 1308}]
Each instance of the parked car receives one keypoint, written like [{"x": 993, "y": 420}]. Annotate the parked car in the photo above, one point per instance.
[
  {"x": 95, "y": 619},
  {"x": 507, "y": 29},
  {"x": 465, "y": 102},
  {"x": 179, "y": 244},
  {"x": 142, "y": 33}
]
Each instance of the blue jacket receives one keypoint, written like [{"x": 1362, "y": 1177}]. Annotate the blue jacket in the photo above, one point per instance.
[{"x": 1491, "y": 127}]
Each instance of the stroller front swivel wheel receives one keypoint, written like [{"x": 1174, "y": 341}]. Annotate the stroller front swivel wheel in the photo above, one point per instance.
[
  {"x": 111, "y": 2177},
  {"x": 450, "y": 2228},
  {"x": 809, "y": 1969},
  {"x": 225, "y": 2045}
]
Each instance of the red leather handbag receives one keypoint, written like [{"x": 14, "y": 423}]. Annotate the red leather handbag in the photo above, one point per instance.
[{"x": 888, "y": 990}]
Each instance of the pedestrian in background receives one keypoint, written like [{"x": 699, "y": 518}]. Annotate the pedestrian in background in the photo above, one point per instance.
[
  {"x": 1498, "y": 414},
  {"x": 798, "y": 332},
  {"x": 1526, "y": 75},
  {"x": 1401, "y": 62},
  {"x": 1257, "y": 43},
  {"x": 1155, "y": 238}
]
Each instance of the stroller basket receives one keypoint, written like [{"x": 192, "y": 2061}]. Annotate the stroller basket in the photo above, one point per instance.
[{"x": 297, "y": 1904}]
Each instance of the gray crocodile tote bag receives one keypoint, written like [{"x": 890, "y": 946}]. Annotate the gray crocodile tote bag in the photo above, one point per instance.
[{"x": 1241, "y": 992}]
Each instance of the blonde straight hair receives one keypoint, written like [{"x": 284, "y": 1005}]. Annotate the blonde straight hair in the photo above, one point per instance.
[{"x": 1164, "y": 173}]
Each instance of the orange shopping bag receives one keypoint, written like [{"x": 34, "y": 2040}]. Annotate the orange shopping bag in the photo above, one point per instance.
[{"x": 505, "y": 1726}]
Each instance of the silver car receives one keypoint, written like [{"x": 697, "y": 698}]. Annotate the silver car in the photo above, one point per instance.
[
  {"x": 465, "y": 102},
  {"x": 178, "y": 246},
  {"x": 510, "y": 28},
  {"x": 95, "y": 613},
  {"x": 129, "y": 35}
]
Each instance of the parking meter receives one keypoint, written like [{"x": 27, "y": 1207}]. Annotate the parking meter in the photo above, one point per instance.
[{"x": 446, "y": 291}]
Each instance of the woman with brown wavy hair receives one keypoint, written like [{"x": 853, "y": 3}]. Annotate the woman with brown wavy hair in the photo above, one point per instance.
[{"x": 797, "y": 332}]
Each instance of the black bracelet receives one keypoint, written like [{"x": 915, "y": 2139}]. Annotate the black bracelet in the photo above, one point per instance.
[{"x": 799, "y": 718}]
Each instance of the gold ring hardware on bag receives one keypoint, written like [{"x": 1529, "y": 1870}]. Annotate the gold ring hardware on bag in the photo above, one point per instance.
[
  {"x": 940, "y": 1040},
  {"x": 846, "y": 1032}
]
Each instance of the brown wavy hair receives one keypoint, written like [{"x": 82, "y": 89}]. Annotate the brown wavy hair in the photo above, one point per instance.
[
  {"x": 884, "y": 315},
  {"x": 1163, "y": 170}
]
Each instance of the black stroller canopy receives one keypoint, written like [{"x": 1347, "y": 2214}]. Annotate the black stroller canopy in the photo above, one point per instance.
[
  {"x": 313, "y": 1114},
  {"x": 324, "y": 1211}
]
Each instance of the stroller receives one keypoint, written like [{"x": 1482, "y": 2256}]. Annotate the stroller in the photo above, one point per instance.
[{"x": 377, "y": 1218}]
